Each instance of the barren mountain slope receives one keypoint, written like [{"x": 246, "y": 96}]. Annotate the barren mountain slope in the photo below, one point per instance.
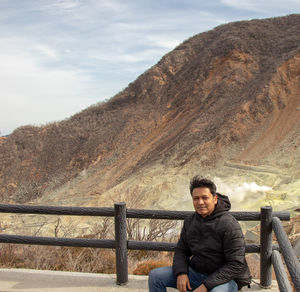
[
  {"x": 227, "y": 95},
  {"x": 282, "y": 132}
]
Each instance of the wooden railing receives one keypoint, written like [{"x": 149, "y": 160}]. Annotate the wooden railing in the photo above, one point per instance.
[{"x": 269, "y": 253}]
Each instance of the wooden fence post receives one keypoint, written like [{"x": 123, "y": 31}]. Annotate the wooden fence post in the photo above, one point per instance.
[
  {"x": 121, "y": 243},
  {"x": 266, "y": 246}
]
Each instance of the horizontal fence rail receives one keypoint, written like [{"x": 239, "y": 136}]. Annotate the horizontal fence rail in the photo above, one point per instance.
[
  {"x": 56, "y": 210},
  {"x": 130, "y": 213},
  {"x": 58, "y": 241},
  {"x": 102, "y": 243},
  {"x": 268, "y": 219}
]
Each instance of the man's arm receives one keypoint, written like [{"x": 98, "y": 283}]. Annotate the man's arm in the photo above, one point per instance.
[
  {"x": 182, "y": 254},
  {"x": 234, "y": 251}
]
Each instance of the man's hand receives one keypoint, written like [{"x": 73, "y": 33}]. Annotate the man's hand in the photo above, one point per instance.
[
  {"x": 183, "y": 282},
  {"x": 201, "y": 288}
]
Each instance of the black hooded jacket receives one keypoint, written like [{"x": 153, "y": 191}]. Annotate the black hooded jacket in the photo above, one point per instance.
[{"x": 213, "y": 246}]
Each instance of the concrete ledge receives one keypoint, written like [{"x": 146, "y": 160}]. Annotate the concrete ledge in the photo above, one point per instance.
[{"x": 24, "y": 280}]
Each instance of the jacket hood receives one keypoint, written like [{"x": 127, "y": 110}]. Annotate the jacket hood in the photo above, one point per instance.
[{"x": 223, "y": 205}]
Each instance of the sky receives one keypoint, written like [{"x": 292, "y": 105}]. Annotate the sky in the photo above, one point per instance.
[{"x": 58, "y": 57}]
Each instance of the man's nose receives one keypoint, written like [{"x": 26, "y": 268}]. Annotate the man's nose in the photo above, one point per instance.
[{"x": 200, "y": 201}]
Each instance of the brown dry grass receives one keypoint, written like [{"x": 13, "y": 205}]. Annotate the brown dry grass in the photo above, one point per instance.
[
  {"x": 78, "y": 259},
  {"x": 145, "y": 267},
  {"x": 57, "y": 258}
]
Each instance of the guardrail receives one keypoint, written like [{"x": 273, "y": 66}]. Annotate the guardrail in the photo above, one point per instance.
[
  {"x": 269, "y": 253},
  {"x": 289, "y": 256}
]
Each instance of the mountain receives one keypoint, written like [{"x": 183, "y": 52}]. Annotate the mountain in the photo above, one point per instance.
[{"x": 224, "y": 104}]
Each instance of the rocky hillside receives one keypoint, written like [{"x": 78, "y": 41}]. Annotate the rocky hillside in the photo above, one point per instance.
[{"x": 224, "y": 103}]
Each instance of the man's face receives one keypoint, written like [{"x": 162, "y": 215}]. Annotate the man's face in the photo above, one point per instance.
[{"x": 204, "y": 202}]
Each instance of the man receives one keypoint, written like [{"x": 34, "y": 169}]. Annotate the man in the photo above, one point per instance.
[{"x": 210, "y": 254}]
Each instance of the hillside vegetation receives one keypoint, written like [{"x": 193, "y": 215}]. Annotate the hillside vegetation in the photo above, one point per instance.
[{"x": 226, "y": 97}]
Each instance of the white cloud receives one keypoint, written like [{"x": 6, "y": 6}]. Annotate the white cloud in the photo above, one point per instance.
[
  {"x": 163, "y": 42},
  {"x": 45, "y": 50},
  {"x": 110, "y": 5},
  {"x": 65, "y": 4},
  {"x": 267, "y": 6},
  {"x": 80, "y": 14},
  {"x": 32, "y": 93}
]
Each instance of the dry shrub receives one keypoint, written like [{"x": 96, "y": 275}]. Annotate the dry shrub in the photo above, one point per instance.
[
  {"x": 145, "y": 267},
  {"x": 8, "y": 255},
  {"x": 253, "y": 261},
  {"x": 73, "y": 259},
  {"x": 152, "y": 230},
  {"x": 79, "y": 259}
]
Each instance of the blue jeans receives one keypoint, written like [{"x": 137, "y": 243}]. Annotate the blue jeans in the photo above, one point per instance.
[{"x": 161, "y": 278}]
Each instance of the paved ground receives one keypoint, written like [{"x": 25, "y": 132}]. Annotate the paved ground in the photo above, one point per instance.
[{"x": 23, "y": 280}]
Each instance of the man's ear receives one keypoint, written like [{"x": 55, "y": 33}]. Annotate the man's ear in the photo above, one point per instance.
[{"x": 216, "y": 199}]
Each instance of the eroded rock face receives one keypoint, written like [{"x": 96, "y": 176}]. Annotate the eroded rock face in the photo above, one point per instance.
[{"x": 223, "y": 103}]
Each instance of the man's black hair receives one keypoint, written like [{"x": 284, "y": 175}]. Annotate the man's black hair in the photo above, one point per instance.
[{"x": 199, "y": 182}]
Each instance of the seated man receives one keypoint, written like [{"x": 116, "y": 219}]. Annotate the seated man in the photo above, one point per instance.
[{"x": 210, "y": 254}]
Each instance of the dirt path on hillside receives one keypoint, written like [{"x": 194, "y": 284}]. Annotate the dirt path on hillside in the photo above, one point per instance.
[{"x": 252, "y": 168}]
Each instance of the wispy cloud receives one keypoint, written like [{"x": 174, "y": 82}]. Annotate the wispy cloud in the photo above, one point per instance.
[
  {"x": 267, "y": 6},
  {"x": 32, "y": 93},
  {"x": 63, "y": 4},
  {"x": 68, "y": 54}
]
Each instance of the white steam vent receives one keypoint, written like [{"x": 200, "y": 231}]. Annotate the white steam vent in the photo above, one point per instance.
[{"x": 238, "y": 192}]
